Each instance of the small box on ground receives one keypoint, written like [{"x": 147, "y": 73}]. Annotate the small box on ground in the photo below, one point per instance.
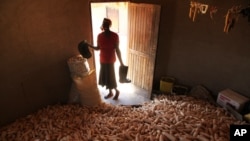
[{"x": 229, "y": 97}]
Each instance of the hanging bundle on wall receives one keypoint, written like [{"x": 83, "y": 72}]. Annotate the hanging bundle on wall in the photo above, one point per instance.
[
  {"x": 246, "y": 12},
  {"x": 196, "y": 7},
  {"x": 213, "y": 10},
  {"x": 231, "y": 18},
  {"x": 192, "y": 10}
]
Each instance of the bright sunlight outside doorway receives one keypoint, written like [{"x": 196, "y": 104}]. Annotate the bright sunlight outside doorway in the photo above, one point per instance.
[
  {"x": 117, "y": 12},
  {"x": 137, "y": 27}
]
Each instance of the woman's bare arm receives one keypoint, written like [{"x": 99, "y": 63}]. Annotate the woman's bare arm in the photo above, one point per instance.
[
  {"x": 91, "y": 46},
  {"x": 118, "y": 53}
]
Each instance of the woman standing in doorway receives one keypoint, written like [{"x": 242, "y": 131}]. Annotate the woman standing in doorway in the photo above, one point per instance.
[{"x": 108, "y": 44}]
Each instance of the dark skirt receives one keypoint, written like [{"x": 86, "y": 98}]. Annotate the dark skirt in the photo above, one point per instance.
[{"x": 107, "y": 76}]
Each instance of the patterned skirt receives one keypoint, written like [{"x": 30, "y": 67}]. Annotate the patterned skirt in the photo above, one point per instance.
[{"x": 107, "y": 76}]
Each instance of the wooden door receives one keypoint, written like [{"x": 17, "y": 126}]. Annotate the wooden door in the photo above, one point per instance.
[{"x": 143, "y": 23}]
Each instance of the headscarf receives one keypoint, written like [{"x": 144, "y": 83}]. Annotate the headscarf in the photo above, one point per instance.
[{"x": 106, "y": 23}]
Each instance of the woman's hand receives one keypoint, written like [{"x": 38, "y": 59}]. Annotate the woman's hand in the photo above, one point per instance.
[{"x": 91, "y": 46}]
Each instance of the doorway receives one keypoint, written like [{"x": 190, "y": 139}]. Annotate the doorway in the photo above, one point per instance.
[{"x": 137, "y": 27}]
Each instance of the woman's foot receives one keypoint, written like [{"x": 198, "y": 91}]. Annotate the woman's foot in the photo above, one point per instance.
[
  {"x": 109, "y": 95},
  {"x": 116, "y": 95}
]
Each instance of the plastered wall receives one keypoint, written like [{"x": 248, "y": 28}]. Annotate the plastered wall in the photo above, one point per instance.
[
  {"x": 36, "y": 39},
  {"x": 200, "y": 52}
]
